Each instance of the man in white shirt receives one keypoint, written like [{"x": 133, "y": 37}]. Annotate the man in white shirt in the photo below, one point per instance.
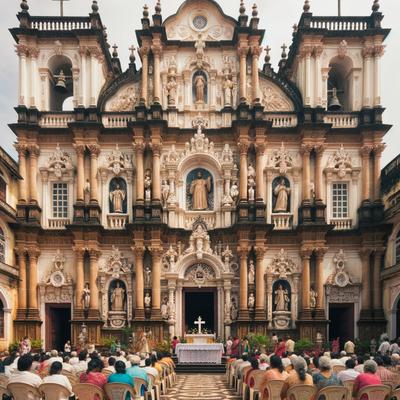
[
  {"x": 66, "y": 366},
  {"x": 56, "y": 377},
  {"x": 54, "y": 357},
  {"x": 394, "y": 347},
  {"x": 150, "y": 370},
  {"x": 23, "y": 374},
  {"x": 349, "y": 347},
  {"x": 384, "y": 347},
  {"x": 110, "y": 365},
  {"x": 74, "y": 358},
  {"x": 349, "y": 373},
  {"x": 81, "y": 366},
  {"x": 289, "y": 345}
]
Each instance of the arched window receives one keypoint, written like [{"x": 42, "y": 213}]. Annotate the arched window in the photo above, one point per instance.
[
  {"x": 60, "y": 68},
  {"x": 340, "y": 85},
  {"x": 397, "y": 248},
  {"x": 2, "y": 246},
  {"x": 2, "y": 335},
  {"x": 3, "y": 189}
]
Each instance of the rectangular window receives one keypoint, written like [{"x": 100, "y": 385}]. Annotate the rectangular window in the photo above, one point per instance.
[
  {"x": 60, "y": 200},
  {"x": 340, "y": 200}
]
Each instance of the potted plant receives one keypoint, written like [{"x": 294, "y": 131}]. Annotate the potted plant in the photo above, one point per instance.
[{"x": 37, "y": 345}]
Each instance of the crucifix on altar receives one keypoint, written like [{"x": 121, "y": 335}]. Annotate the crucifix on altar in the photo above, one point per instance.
[
  {"x": 61, "y": 6},
  {"x": 199, "y": 323}
]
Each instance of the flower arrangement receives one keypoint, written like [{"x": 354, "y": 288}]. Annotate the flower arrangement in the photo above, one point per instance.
[{"x": 204, "y": 331}]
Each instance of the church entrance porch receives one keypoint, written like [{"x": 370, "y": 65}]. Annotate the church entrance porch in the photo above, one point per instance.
[
  {"x": 341, "y": 325},
  {"x": 58, "y": 325},
  {"x": 200, "y": 302}
]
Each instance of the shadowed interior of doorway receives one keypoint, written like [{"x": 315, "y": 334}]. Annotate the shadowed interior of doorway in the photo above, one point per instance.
[{"x": 200, "y": 303}]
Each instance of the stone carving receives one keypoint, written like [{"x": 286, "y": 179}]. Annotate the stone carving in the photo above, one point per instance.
[
  {"x": 165, "y": 191},
  {"x": 251, "y": 301},
  {"x": 200, "y": 87},
  {"x": 281, "y": 299},
  {"x": 86, "y": 297},
  {"x": 340, "y": 162},
  {"x": 199, "y": 189},
  {"x": 164, "y": 308},
  {"x": 115, "y": 264},
  {"x": 234, "y": 192},
  {"x": 281, "y": 193},
  {"x": 171, "y": 256},
  {"x": 251, "y": 274},
  {"x": 348, "y": 294},
  {"x": 147, "y": 300},
  {"x": 233, "y": 310},
  {"x": 171, "y": 85},
  {"x": 199, "y": 241},
  {"x": 282, "y": 160},
  {"x": 274, "y": 100},
  {"x": 117, "y": 197},
  {"x": 59, "y": 162},
  {"x": 86, "y": 192},
  {"x": 117, "y": 298},
  {"x": 313, "y": 298},
  {"x": 227, "y": 255},
  {"x": 199, "y": 46},
  {"x": 340, "y": 277},
  {"x": 56, "y": 276},
  {"x": 117, "y": 161},
  {"x": 282, "y": 266},
  {"x": 342, "y": 49},
  {"x": 251, "y": 182},
  {"x": 125, "y": 100},
  {"x": 147, "y": 276},
  {"x": 200, "y": 274},
  {"x": 228, "y": 87},
  {"x": 83, "y": 337},
  {"x": 147, "y": 186}
]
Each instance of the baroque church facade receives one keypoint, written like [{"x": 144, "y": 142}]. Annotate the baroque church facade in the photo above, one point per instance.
[{"x": 199, "y": 184}]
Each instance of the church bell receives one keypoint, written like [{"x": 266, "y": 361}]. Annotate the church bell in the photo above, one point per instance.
[
  {"x": 61, "y": 84},
  {"x": 334, "y": 103}
]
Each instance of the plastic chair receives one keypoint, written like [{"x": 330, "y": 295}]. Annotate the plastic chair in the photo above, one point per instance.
[
  {"x": 138, "y": 382},
  {"x": 54, "y": 391},
  {"x": 106, "y": 372},
  {"x": 349, "y": 386},
  {"x": 71, "y": 377},
  {"x": 118, "y": 391},
  {"x": 337, "y": 368},
  {"x": 375, "y": 392},
  {"x": 301, "y": 392},
  {"x": 272, "y": 390},
  {"x": 24, "y": 391},
  {"x": 255, "y": 379},
  {"x": 396, "y": 394},
  {"x": 332, "y": 393},
  {"x": 88, "y": 391}
]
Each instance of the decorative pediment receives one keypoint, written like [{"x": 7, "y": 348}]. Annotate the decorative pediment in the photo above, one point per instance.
[
  {"x": 117, "y": 162},
  {"x": 273, "y": 98},
  {"x": 340, "y": 277},
  {"x": 115, "y": 264},
  {"x": 199, "y": 241},
  {"x": 281, "y": 160},
  {"x": 282, "y": 266},
  {"x": 59, "y": 163},
  {"x": 340, "y": 162},
  {"x": 125, "y": 99},
  {"x": 200, "y": 274},
  {"x": 56, "y": 276}
]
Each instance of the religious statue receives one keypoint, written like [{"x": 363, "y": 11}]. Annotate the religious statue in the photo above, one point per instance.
[
  {"x": 86, "y": 297},
  {"x": 147, "y": 185},
  {"x": 164, "y": 192},
  {"x": 171, "y": 310},
  {"x": 147, "y": 276},
  {"x": 147, "y": 300},
  {"x": 117, "y": 298},
  {"x": 251, "y": 193},
  {"x": 281, "y": 193},
  {"x": 199, "y": 86},
  {"x": 251, "y": 273},
  {"x": 313, "y": 298},
  {"x": 234, "y": 310},
  {"x": 199, "y": 190},
  {"x": 82, "y": 337},
  {"x": 251, "y": 301},
  {"x": 251, "y": 182},
  {"x": 164, "y": 308},
  {"x": 228, "y": 86},
  {"x": 171, "y": 90},
  {"x": 86, "y": 192},
  {"x": 281, "y": 299},
  {"x": 143, "y": 344},
  {"x": 117, "y": 197},
  {"x": 234, "y": 192}
]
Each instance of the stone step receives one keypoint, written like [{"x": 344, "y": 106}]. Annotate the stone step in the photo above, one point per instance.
[{"x": 200, "y": 368}]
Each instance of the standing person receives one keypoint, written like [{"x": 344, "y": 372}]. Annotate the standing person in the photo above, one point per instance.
[
  {"x": 25, "y": 346},
  {"x": 349, "y": 347},
  {"x": 235, "y": 347},
  {"x": 67, "y": 347},
  {"x": 229, "y": 343},
  {"x": 175, "y": 342},
  {"x": 245, "y": 345},
  {"x": 274, "y": 339},
  {"x": 289, "y": 345},
  {"x": 281, "y": 348},
  {"x": 336, "y": 345}
]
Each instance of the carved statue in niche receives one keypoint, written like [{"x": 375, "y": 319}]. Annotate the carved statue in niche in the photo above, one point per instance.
[
  {"x": 234, "y": 309},
  {"x": 86, "y": 297},
  {"x": 171, "y": 89},
  {"x": 251, "y": 182},
  {"x": 147, "y": 276},
  {"x": 251, "y": 272},
  {"x": 117, "y": 195},
  {"x": 147, "y": 300},
  {"x": 313, "y": 298},
  {"x": 117, "y": 297},
  {"x": 281, "y": 194},
  {"x": 228, "y": 87},
  {"x": 199, "y": 241},
  {"x": 147, "y": 185},
  {"x": 251, "y": 301},
  {"x": 86, "y": 192},
  {"x": 200, "y": 87},
  {"x": 82, "y": 337},
  {"x": 234, "y": 192},
  {"x": 281, "y": 300},
  {"x": 199, "y": 189},
  {"x": 164, "y": 308},
  {"x": 164, "y": 192}
]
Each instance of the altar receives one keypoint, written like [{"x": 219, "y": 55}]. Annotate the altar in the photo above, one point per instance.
[{"x": 199, "y": 353}]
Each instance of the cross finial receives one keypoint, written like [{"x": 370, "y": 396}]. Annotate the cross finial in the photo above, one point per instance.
[
  {"x": 267, "y": 56},
  {"x": 61, "y": 6},
  {"x": 255, "y": 10},
  {"x": 115, "y": 52},
  {"x": 199, "y": 323},
  {"x": 284, "y": 47},
  {"x": 145, "y": 11}
]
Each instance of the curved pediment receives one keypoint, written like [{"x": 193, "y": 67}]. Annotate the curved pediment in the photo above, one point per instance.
[
  {"x": 203, "y": 17},
  {"x": 125, "y": 99},
  {"x": 273, "y": 98}
]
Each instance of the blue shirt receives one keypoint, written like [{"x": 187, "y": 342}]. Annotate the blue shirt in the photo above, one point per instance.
[
  {"x": 121, "y": 378},
  {"x": 137, "y": 372}
]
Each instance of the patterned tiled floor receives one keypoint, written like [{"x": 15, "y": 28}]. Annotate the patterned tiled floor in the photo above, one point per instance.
[{"x": 201, "y": 387}]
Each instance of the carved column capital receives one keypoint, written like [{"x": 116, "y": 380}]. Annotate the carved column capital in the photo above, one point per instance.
[
  {"x": 156, "y": 251},
  {"x": 379, "y": 50},
  {"x": 320, "y": 252},
  {"x": 368, "y": 51},
  {"x": 243, "y": 50},
  {"x": 34, "y": 52},
  {"x": 243, "y": 251},
  {"x": 243, "y": 147},
  {"x": 94, "y": 254},
  {"x": 256, "y": 50},
  {"x": 305, "y": 253},
  {"x": 156, "y": 49},
  {"x": 94, "y": 149},
  {"x": 319, "y": 149},
  {"x": 139, "y": 146},
  {"x": 260, "y": 148},
  {"x": 144, "y": 51},
  {"x": 260, "y": 252},
  {"x": 20, "y": 251},
  {"x": 138, "y": 251},
  {"x": 79, "y": 148},
  {"x": 156, "y": 147},
  {"x": 21, "y": 149},
  {"x": 34, "y": 150},
  {"x": 365, "y": 253},
  {"x": 379, "y": 148},
  {"x": 33, "y": 252},
  {"x": 366, "y": 150},
  {"x": 21, "y": 49},
  {"x": 306, "y": 148}
]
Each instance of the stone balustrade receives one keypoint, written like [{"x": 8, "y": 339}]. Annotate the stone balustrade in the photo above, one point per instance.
[
  {"x": 282, "y": 221},
  {"x": 117, "y": 221}
]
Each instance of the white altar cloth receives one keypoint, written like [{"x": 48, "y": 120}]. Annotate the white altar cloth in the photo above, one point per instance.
[{"x": 191, "y": 353}]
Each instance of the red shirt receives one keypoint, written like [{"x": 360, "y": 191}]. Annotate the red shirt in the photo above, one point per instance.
[
  {"x": 280, "y": 349},
  {"x": 365, "y": 379},
  {"x": 174, "y": 343},
  {"x": 95, "y": 378}
]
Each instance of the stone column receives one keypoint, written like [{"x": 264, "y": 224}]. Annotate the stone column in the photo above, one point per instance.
[
  {"x": 365, "y": 277},
  {"x": 319, "y": 150},
  {"x": 34, "y": 52},
  {"x": 22, "y": 189},
  {"x": 156, "y": 184},
  {"x": 243, "y": 253},
  {"x": 378, "y": 149},
  {"x": 156, "y": 254},
  {"x": 33, "y": 169},
  {"x": 139, "y": 252},
  {"x": 260, "y": 284},
  {"x": 243, "y": 50},
  {"x": 93, "y": 272},
  {"x": 22, "y": 279},
  {"x": 83, "y": 76},
  {"x": 305, "y": 151},
  {"x": 139, "y": 149},
  {"x": 260, "y": 189},
  {"x": 255, "y": 81},
  {"x": 243, "y": 148},
  {"x": 94, "y": 153},
  {"x": 365, "y": 154},
  {"x": 80, "y": 276},
  {"x": 156, "y": 49},
  {"x": 318, "y": 92},
  {"x": 307, "y": 52},
  {"x": 368, "y": 52},
  {"x": 379, "y": 50},
  {"x": 33, "y": 279},
  {"x": 377, "y": 288},
  {"x": 80, "y": 152},
  {"x": 22, "y": 52},
  {"x": 319, "y": 279},
  {"x": 144, "y": 53},
  {"x": 305, "y": 281},
  {"x": 93, "y": 75}
]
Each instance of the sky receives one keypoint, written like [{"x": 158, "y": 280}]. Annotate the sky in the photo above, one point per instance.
[{"x": 122, "y": 18}]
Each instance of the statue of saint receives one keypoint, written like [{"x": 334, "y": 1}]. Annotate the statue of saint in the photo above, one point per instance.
[
  {"x": 313, "y": 298},
  {"x": 117, "y": 298},
  {"x": 251, "y": 272},
  {"x": 234, "y": 192},
  {"x": 199, "y": 85},
  {"x": 147, "y": 300},
  {"x": 82, "y": 337},
  {"x": 147, "y": 185},
  {"x": 164, "y": 308},
  {"x": 199, "y": 189},
  {"x": 251, "y": 193},
  {"x": 117, "y": 197},
  {"x": 228, "y": 86},
  {"x": 251, "y": 301},
  {"x": 86, "y": 192},
  {"x": 282, "y": 196},
  {"x": 164, "y": 192},
  {"x": 281, "y": 299},
  {"x": 86, "y": 297},
  {"x": 147, "y": 276},
  {"x": 171, "y": 90},
  {"x": 234, "y": 310}
]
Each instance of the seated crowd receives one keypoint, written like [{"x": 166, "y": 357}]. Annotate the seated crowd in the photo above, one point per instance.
[
  {"x": 97, "y": 369},
  {"x": 284, "y": 369}
]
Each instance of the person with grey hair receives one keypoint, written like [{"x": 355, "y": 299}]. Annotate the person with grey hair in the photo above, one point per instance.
[
  {"x": 325, "y": 377},
  {"x": 367, "y": 378},
  {"x": 298, "y": 376}
]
